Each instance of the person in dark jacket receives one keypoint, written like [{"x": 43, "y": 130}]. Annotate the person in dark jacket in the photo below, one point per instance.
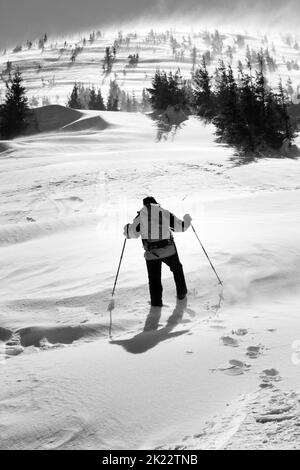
[{"x": 155, "y": 226}]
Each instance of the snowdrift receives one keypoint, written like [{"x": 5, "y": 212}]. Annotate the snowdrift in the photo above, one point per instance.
[
  {"x": 55, "y": 118},
  {"x": 88, "y": 123},
  {"x": 5, "y": 334},
  {"x": 3, "y": 147},
  {"x": 66, "y": 334},
  {"x": 22, "y": 232}
]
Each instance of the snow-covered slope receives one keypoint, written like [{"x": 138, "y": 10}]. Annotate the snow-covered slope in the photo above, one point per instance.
[
  {"x": 50, "y": 73},
  {"x": 65, "y": 197}
]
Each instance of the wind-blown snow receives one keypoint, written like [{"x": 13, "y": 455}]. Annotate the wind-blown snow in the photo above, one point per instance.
[{"x": 65, "y": 197}]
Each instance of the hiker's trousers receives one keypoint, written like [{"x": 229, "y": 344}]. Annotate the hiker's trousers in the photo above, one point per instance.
[{"x": 154, "y": 276}]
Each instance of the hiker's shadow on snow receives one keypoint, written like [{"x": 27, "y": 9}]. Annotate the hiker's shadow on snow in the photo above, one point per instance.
[{"x": 152, "y": 335}]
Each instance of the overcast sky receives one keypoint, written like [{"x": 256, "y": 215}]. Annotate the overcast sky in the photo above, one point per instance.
[{"x": 22, "y": 19}]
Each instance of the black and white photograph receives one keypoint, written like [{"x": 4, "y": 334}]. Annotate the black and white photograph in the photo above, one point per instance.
[{"x": 149, "y": 227}]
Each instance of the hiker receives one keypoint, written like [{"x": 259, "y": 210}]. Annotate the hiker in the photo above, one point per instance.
[{"x": 155, "y": 225}]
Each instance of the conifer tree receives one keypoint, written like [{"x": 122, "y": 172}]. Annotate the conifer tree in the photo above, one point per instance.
[
  {"x": 260, "y": 89},
  {"x": 74, "y": 101},
  {"x": 15, "y": 109},
  {"x": 108, "y": 60},
  {"x": 227, "y": 118},
  {"x": 123, "y": 101},
  {"x": 194, "y": 57},
  {"x": 250, "y": 131},
  {"x": 203, "y": 96},
  {"x": 167, "y": 89},
  {"x": 8, "y": 67},
  {"x": 128, "y": 104},
  {"x": 289, "y": 88},
  {"x": 248, "y": 55},
  {"x": 285, "y": 118},
  {"x": 159, "y": 91},
  {"x": 113, "y": 96},
  {"x": 134, "y": 103},
  {"x": 99, "y": 101},
  {"x": 145, "y": 105},
  {"x": 246, "y": 112},
  {"x": 92, "y": 100}
]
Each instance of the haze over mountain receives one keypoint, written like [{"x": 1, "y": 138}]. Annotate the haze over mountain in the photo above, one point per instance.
[{"x": 31, "y": 18}]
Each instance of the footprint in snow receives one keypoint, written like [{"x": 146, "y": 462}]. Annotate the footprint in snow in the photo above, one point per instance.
[
  {"x": 218, "y": 327},
  {"x": 254, "y": 351},
  {"x": 268, "y": 377},
  {"x": 240, "y": 332},
  {"x": 228, "y": 341},
  {"x": 233, "y": 367}
]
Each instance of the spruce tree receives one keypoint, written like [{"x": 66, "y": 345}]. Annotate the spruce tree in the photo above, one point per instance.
[
  {"x": 194, "y": 57},
  {"x": 289, "y": 88},
  {"x": 260, "y": 91},
  {"x": 250, "y": 131},
  {"x": 74, "y": 101},
  {"x": 203, "y": 96},
  {"x": 158, "y": 92},
  {"x": 128, "y": 104},
  {"x": 220, "y": 94},
  {"x": 114, "y": 104},
  {"x": 108, "y": 60},
  {"x": 8, "y": 67},
  {"x": 217, "y": 43},
  {"x": 227, "y": 119},
  {"x": 134, "y": 103},
  {"x": 167, "y": 89},
  {"x": 248, "y": 55},
  {"x": 145, "y": 101},
  {"x": 92, "y": 100},
  {"x": 100, "y": 106},
  {"x": 83, "y": 96},
  {"x": 113, "y": 96},
  {"x": 123, "y": 101},
  {"x": 232, "y": 110},
  {"x": 15, "y": 109},
  {"x": 283, "y": 102}
]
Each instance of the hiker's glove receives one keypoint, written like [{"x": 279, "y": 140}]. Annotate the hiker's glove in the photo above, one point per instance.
[{"x": 187, "y": 218}]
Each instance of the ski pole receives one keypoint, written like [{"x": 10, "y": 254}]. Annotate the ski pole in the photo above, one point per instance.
[
  {"x": 111, "y": 305},
  {"x": 220, "y": 282}
]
